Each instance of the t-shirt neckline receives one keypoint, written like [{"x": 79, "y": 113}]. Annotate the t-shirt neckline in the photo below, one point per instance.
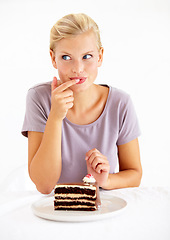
[{"x": 97, "y": 120}]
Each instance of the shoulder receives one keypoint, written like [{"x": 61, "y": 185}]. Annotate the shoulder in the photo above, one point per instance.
[
  {"x": 41, "y": 88},
  {"x": 116, "y": 93},
  {"x": 120, "y": 105},
  {"x": 118, "y": 98},
  {"x": 39, "y": 98},
  {"x": 40, "y": 91},
  {"x": 119, "y": 95}
]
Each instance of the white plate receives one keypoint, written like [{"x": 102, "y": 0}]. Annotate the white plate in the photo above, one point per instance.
[{"x": 110, "y": 206}]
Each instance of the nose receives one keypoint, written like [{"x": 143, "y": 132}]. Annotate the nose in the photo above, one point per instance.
[{"x": 77, "y": 67}]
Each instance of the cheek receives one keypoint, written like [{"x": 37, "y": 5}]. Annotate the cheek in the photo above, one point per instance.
[
  {"x": 93, "y": 68},
  {"x": 92, "y": 71},
  {"x": 61, "y": 67},
  {"x": 90, "y": 64},
  {"x": 62, "y": 71}
]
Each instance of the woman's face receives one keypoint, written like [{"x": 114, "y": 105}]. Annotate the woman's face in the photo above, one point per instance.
[{"x": 78, "y": 58}]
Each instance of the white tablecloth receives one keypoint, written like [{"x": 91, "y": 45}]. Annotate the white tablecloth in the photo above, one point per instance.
[{"x": 147, "y": 216}]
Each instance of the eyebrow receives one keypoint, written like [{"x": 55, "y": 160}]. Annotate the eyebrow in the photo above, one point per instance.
[
  {"x": 88, "y": 52},
  {"x": 66, "y": 53}
]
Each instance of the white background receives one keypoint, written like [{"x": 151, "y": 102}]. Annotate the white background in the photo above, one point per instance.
[{"x": 136, "y": 38}]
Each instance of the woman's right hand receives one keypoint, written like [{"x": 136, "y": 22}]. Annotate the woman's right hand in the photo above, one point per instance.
[{"x": 61, "y": 98}]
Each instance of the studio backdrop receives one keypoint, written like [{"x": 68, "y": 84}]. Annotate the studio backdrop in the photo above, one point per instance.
[{"x": 136, "y": 40}]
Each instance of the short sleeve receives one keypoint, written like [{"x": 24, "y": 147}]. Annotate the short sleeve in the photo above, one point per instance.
[
  {"x": 128, "y": 123},
  {"x": 36, "y": 114}
]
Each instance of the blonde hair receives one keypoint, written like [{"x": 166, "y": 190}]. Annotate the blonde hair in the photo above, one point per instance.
[{"x": 72, "y": 25}]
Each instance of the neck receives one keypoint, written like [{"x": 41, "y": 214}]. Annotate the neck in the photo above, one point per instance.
[
  {"x": 88, "y": 105},
  {"x": 84, "y": 100}
]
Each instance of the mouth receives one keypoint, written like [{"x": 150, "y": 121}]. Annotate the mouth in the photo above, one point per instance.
[{"x": 81, "y": 79}]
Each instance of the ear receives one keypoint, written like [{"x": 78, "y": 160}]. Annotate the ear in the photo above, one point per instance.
[
  {"x": 53, "y": 59},
  {"x": 100, "y": 60}
]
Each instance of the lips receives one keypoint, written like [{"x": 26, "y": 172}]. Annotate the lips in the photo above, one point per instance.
[{"x": 81, "y": 79}]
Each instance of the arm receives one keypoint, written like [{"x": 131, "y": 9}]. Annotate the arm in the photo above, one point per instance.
[
  {"x": 130, "y": 170},
  {"x": 44, "y": 156},
  {"x": 44, "y": 149}
]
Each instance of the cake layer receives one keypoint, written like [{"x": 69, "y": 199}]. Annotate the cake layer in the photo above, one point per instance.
[
  {"x": 75, "y": 190},
  {"x": 72, "y": 203},
  {"x": 76, "y": 208}
]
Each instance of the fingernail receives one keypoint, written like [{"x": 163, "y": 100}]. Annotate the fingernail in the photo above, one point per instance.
[
  {"x": 77, "y": 80},
  {"x": 86, "y": 158}
]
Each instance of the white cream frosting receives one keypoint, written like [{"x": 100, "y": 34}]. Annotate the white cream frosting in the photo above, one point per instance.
[
  {"x": 89, "y": 179},
  {"x": 73, "y": 195},
  {"x": 74, "y": 201}
]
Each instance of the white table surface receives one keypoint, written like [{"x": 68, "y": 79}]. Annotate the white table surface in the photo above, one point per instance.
[{"x": 147, "y": 216}]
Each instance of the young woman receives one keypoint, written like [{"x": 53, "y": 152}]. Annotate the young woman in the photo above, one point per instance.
[{"x": 75, "y": 126}]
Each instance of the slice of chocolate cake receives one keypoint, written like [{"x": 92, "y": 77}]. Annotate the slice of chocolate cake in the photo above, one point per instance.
[{"x": 77, "y": 196}]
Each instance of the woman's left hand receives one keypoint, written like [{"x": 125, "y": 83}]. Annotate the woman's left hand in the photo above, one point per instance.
[{"x": 98, "y": 166}]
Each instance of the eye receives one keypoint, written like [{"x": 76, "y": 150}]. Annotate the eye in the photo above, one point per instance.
[
  {"x": 87, "y": 56},
  {"x": 66, "y": 57}
]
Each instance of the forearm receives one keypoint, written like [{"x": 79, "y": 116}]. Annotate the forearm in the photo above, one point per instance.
[
  {"x": 45, "y": 167},
  {"x": 123, "y": 179}
]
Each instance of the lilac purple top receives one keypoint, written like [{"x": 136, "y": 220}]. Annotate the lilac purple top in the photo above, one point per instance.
[{"x": 116, "y": 125}]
